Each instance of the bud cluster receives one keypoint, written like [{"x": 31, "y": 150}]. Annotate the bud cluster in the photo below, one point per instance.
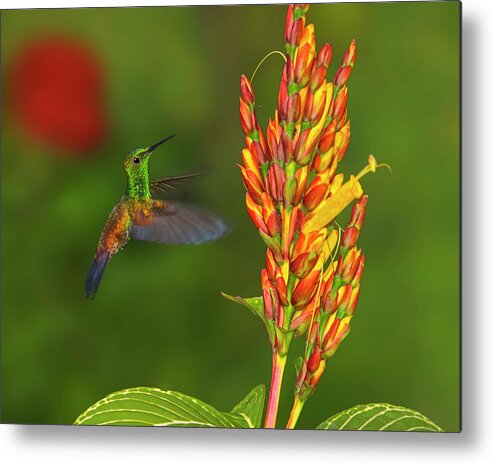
[
  {"x": 338, "y": 299},
  {"x": 311, "y": 277}
]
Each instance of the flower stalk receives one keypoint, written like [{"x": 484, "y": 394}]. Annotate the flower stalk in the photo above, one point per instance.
[{"x": 310, "y": 283}]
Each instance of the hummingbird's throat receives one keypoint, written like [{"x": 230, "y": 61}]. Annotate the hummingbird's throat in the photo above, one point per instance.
[{"x": 138, "y": 186}]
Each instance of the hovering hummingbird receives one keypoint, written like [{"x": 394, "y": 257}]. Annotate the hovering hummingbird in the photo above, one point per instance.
[{"x": 144, "y": 214}]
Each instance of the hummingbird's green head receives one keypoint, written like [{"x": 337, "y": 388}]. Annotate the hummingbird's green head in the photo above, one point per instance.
[{"x": 137, "y": 161}]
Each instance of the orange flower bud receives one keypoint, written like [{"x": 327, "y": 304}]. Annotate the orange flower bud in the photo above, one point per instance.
[
  {"x": 301, "y": 180},
  {"x": 342, "y": 75},
  {"x": 314, "y": 360},
  {"x": 255, "y": 212},
  {"x": 305, "y": 289},
  {"x": 340, "y": 104},
  {"x": 253, "y": 183},
  {"x": 246, "y": 90},
  {"x": 270, "y": 215},
  {"x": 282, "y": 99},
  {"x": 331, "y": 342},
  {"x": 287, "y": 146},
  {"x": 350, "y": 55},
  {"x": 289, "y": 23},
  {"x": 293, "y": 112},
  {"x": 302, "y": 265},
  {"x": 270, "y": 297},
  {"x": 359, "y": 271},
  {"x": 327, "y": 137},
  {"x": 296, "y": 32},
  {"x": 324, "y": 56},
  {"x": 281, "y": 288},
  {"x": 270, "y": 265},
  {"x": 247, "y": 122},
  {"x": 275, "y": 182},
  {"x": 250, "y": 161},
  {"x": 303, "y": 66},
  {"x": 353, "y": 301},
  {"x": 257, "y": 151}
]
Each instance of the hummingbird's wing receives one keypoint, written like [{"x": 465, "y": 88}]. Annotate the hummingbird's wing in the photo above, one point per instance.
[
  {"x": 161, "y": 187},
  {"x": 175, "y": 222}
]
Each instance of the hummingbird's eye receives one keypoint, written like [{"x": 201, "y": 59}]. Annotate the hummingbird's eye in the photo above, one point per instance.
[{"x": 136, "y": 160}]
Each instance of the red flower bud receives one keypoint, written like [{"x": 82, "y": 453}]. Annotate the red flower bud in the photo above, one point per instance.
[
  {"x": 282, "y": 99},
  {"x": 324, "y": 56},
  {"x": 254, "y": 212},
  {"x": 314, "y": 196},
  {"x": 289, "y": 23},
  {"x": 293, "y": 112},
  {"x": 275, "y": 182},
  {"x": 342, "y": 75},
  {"x": 305, "y": 289},
  {"x": 253, "y": 183},
  {"x": 246, "y": 118},
  {"x": 246, "y": 90},
  {"x": 296, "y": 32},
  {"x": 350, "y": 55},
  {"x": 314, "y": 360},
  {"x": 340, "y": 104},
  {"x": 327, "y": 138}
]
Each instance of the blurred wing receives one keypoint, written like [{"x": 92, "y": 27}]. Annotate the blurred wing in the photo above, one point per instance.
[
  {"x": 161, "y": 187},
  {"x": 174, "y": 222}
]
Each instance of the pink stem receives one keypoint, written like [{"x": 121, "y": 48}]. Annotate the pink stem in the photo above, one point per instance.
[{"x": 278, "y": 364}]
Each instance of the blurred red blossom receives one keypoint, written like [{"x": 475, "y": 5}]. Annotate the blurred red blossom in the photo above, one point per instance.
[{"x": 55, "y": 92}]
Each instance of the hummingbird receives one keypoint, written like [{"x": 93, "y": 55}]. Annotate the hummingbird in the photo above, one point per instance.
[{"x": 144, "y": 213}]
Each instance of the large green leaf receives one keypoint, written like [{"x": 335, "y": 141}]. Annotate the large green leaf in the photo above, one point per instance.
[
  {"x": 152, "y": 406},
  {"x": 380, "y": 416}
]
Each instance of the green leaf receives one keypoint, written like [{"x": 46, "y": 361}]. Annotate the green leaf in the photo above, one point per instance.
[
  {"x": 254, "y": 304},
  {"x": 152, "y": 406},
  {"x": 252, "y": 406},
  {"x": 380, "y": 416}
]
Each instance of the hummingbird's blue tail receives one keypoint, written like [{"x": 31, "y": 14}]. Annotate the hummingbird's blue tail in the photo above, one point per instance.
[{"x": 96, "y": 272}]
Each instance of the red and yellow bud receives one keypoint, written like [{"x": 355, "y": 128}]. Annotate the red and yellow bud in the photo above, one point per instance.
[
  {"x": 316, "y": 192},
  {"x": 251, "y": 162},
  {"x": 314, "y": 360},
  {"x": 350, "y": 55},
  {"x": 338, "y": 330},
  {"x": 340, "y": 104},
  {"x": 270, "y": 215},
  {"x": 274, "y": 182},
  {"x": 247, "y": 120},
  {"x": 342, "y": 75},
  {"x": 282, "y": 100},
  {"x": 303, "y": 64},
  {"x": 269, "y": 296},
  {"x": 281, "y": 288},
  {"x": 353, "y": 301},
  {"x": 305, "y": 289},
  {"x": 348, "y": 265},
  {"x": 270, "y": 265},
  {"x": 351, "y": 233},
  {"x": 327, "y": 138},
  {"x": 255, "y": 212},
  {"x": 246, "y": 90},
  {"x": 253, "y": 183},
  {"x": 293, "y": 111}
]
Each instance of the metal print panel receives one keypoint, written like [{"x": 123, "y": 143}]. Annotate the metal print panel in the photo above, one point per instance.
[{"x": 232, "y": 216}]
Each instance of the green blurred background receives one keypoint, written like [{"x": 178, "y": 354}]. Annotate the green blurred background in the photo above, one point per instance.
[{"x": 158, "y": 319}]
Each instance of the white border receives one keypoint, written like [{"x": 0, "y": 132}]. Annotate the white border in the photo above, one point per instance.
[{"x": 54, "y": 444}]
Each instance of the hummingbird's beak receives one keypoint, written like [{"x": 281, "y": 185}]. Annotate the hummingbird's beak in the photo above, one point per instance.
[{"x": 153, "y": 147}]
